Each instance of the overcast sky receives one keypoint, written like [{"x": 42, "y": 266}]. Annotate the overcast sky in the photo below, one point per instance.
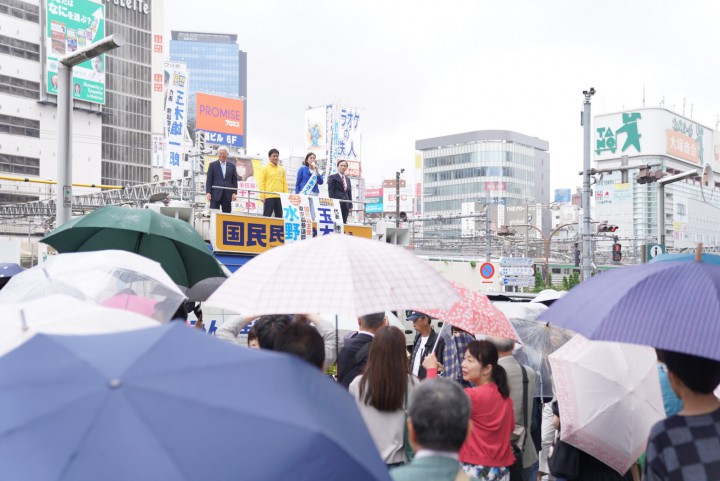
[{"x": 420, "y": 69}]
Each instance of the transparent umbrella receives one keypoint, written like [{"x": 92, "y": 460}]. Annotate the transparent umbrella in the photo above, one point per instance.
[{"x": 111, "y": 278}]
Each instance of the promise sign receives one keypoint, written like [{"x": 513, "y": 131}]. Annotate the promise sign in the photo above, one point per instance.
[{"x": 222, "y": 118}]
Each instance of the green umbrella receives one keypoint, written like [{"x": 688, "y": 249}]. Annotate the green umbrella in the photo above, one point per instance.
[{"x": 173, "y": 243}]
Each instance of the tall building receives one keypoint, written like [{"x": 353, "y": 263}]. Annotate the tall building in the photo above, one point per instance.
[
  {"x": 111, "y": 116},
  {"x": 670, "y": 144},
  {"x": 215, "y": 64},
  {"x": 498, "y": 167},
  {"x": 126, "y": 120}
]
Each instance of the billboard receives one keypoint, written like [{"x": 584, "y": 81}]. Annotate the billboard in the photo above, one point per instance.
[
  {"x": 373, "y": 201},
  {"x": 175, "y": 117},
  {"x": 222, "y": 119},
  {"x": 563, "y": 196},
  {"x": 347, "y": 122},
  {"x": 652, "y": 131},
  {"x": 406, "y": 200},
  {"x": 316, "y": 131},
  {"x": 72, "y": 26}
]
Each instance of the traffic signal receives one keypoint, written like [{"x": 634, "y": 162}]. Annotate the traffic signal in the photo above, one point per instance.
[
  {"x": 647, "y": 176},
  {"x": 505, "y": 231},
  {"x": 617, "y": 252},
  {"x": 605, "y": 227}
]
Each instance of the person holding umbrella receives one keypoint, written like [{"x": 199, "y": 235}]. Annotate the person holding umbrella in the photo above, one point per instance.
[
  {"x": 381, "y": 393},
  {"x": 687, "y": 446},
  {"x": 486, "y": 454}
]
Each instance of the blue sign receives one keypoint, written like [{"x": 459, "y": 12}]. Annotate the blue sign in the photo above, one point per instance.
[
  {"x": 373, "y": 208},
  {"x": 219, "y": 138},
  {"x": 563, "y": 196}
]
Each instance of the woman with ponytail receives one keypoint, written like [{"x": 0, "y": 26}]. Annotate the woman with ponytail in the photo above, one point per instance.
[{"x": 486, "y": 454}]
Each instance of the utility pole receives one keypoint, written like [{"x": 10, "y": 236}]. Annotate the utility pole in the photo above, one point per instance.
[
  {"x": 397, "y": 197},
  {"x": 586, "y": 234}
]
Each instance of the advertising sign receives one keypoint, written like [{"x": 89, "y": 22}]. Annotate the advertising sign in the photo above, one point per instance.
[
  {"x": 347, "y": 122},
  {"x": 244, "y": 234},
  {"x": 71, "y": 26},
  {"x": 354, "y": 169},
  {"x": 222, "y": 119},
  {"x": 563, "y": 196},
  {"x": 516, "y": 262},
  {"x": 175, "y": 116},
  {"x": 406, "y": 200},
  {"x": 316, "y": 131}
]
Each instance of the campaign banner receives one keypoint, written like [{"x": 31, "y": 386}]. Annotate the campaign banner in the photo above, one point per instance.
[
  {"x": 316, "y": 133},
  {"x": 223, "y": 118},
  {"x": 72, "y": 26},
  {"x": 349, "y": 135},
  {"x": 296, "y": 217},
  {"x": 175, "y": 117},
  {"x": 354, "y": 169},
  {"x": 327, "y": 215}
]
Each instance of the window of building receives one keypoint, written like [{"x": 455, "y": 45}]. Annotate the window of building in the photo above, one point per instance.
[
  {"x": 15, "y": 164},
  {"x": 19, "y": 9},
  {"x": 19, "y": 126},
  {"x": 19, "y": 87},
  {"x": 19, "y": 48}
]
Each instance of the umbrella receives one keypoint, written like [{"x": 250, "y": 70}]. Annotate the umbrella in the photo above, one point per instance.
[
  {"x": 59, "y": 314},
  {"x": 171, "y": 242},
  {"x": 7, "y": 270},
  {"x": 548, "y": 296},
  {"x": 538, "y": 339},
  {"x": 341, "y": 274},
  {"x": 110, "y": 277},
  {"x": 475, "y": 314},
  {"x": 706, "y": 258},
  {"x": 667, "y": 305},
  {"x": 609, "y": 397},
  {"x": 172, "y": 403}
]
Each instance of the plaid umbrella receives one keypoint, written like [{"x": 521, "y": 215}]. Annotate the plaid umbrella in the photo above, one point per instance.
[
  {"x": 341, "y": 274},
  {"x": 475, "y": 314},
  {"x": 667, "y": 305}
]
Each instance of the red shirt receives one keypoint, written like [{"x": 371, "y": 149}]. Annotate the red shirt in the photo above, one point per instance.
[{"x": 493, "y": 421}]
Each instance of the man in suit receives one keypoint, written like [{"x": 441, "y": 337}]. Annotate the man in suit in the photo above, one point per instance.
[
  {"x": 515, "y": 381},
  {"x": 353, "y": 356},
  {"x": 339, "y": 187},
  {"x": 221, "y": 173},
  {"x": 438, "y": 423},
  {"x": 424, "y": 343}
]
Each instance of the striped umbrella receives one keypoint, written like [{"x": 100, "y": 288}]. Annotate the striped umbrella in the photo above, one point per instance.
[{"x": 667, "y": 305}]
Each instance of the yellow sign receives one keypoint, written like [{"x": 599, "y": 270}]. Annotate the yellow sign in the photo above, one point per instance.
[{"x": 246, "y": 234}]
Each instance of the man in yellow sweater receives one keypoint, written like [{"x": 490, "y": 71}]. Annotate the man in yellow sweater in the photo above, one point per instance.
[{"x": 272, "y": 179}]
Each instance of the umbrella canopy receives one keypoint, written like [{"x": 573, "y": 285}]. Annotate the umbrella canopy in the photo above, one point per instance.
[
  {"x": 59, "y": 314},
  {"x": 136, "y": 406},
  {"x": 7, "y": 270},
  {"x": 475, "y": 314},
  {"x": 111, "y": 278},
  {"x": 609, "y": 397},
  {"x": 171, "y": 242},
  {"x": 341, "y": 274},
  {"x": 538, "y": 339},
  {"x": 667, "y": 305},
  {"x": 548, "y": 296},
  {"x": 706, "y": 258}
]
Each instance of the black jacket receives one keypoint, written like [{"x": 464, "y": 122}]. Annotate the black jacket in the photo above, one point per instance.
[
  {"x": 352, "y": 358},
  {"x": 422, "y": 373}
]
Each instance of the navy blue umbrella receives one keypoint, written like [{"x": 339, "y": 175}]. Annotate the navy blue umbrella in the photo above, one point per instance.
[
  {"x": 667, "y": 305},
  {"x": 7, "y": 270},
  {"x": 170, "y": 403}
]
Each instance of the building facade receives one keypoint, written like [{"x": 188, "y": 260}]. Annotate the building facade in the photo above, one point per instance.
[
  {"x": 215, "y": 64},
  {"x": 111, "y": 115},
  {"x": 489, "y": 167},
  {"x": 666, "y": 142}
]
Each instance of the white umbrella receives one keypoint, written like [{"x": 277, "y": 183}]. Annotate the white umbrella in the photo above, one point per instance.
[
  {"x": 60, "y": 314},
  {"x": 609, "y": 397},
  {"x": 335, "y": 273},
  {"x": 112, "y": 278}
]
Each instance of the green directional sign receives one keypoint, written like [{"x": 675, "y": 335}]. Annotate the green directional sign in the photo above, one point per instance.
[{"x": 71, "y": 26}]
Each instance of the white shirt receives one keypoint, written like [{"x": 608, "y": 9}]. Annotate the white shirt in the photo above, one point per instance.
[{"x": 418, "y": 356}]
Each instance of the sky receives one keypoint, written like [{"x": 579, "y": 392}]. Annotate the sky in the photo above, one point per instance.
[{"x": 420, "y": 69}]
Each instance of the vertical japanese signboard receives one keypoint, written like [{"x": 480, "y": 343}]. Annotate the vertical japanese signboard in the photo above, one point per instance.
[
  {"x": 175, "y": 116},
  {"x": 296, "y": 217},
  {"x": 72, "y": 26},
  {"x": 347, "y": 122}
]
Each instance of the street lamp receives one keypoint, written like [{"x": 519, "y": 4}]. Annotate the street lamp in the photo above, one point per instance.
[
  {"x": 546, "y": 239},
  {"x": 63, "y": 207}
]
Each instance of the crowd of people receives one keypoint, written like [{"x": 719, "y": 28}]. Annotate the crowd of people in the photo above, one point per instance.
[{"x": 480, "y": 420}]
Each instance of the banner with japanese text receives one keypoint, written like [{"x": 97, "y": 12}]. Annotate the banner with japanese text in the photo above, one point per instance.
[
  {"x": 296, "y": 217},
  {"x": 175, "y": 116},
  {"x": 72, "y": 26},
  {"x": 347, "y": 123},
  {"x": 328, "y": 216}
]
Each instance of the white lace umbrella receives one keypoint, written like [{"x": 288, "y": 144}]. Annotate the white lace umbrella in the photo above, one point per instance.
[
  {"x": 60, "y": 314},
  {"x": 112, "y": 278},
  {"x": 334, "y": 273},
  {"x": 609, "y": 397}
]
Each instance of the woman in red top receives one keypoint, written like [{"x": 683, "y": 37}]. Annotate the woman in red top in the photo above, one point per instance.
[{"x": 486, "y": 454}]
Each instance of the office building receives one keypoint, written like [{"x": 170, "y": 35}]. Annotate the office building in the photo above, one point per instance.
[{"x": 496, "y": 167}]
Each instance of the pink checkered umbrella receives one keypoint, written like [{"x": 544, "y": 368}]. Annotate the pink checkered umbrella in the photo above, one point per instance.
[
  {"x": 475, "y": 314},
  {"x": 335, "y": 273}
]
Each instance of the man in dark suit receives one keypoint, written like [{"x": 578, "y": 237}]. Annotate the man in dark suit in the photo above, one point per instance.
[
  {"x": 353, "y": 356},
  {"x": 221, "y": 173},
  {"x": 424, "y": 343},
  {"x": 339, "y": 187}
]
